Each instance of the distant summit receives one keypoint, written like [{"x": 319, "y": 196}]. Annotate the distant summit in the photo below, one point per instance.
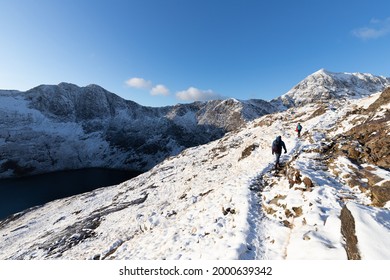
[{"x": 326, "y": 86}]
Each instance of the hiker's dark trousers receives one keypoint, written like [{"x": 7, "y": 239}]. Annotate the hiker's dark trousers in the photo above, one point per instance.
[{"x": 277, "y": 156}]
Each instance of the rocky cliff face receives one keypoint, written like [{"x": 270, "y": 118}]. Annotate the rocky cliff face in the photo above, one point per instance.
[{"x": 60, "y": 127}]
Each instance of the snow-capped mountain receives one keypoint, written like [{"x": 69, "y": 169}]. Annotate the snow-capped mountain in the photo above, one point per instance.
[
  {"x": 58, "y": 127},
  {"x": 224, "y": 200},
  {"x": 324, "y": 86}
]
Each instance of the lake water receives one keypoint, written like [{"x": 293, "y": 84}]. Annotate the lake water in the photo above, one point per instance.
[{"x": 21, "y": 193}]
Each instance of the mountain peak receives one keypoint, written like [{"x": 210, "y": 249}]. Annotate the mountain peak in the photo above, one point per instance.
[
  {"x": 322, "y": 71},
  {"x": 95, "y": 87},
  {"x": 66, "y": 84},
  {"x": 325, "y": 86}
]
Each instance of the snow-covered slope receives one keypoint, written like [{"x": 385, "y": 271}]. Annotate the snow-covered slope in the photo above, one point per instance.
[
  {"x": 51, "y": 128},
  {"x": 223, "y": 200},
  {"x": 326, "y": 86}
]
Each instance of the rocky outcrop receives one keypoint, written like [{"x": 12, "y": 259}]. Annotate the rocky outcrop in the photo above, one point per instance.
[
  {"x": 368, "y": 142},
  {"x": 349, "y": 233},
  {"x": 383, "y": 99}
]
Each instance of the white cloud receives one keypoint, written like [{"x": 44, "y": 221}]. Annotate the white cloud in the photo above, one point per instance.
[
  {"x": 376, "y": 29},
  {"x": 159, "y": 90},
  {"x": 191, "y": 94},
  {"x": 139, "y": 83},
  {"x": 194, "y": 94}
]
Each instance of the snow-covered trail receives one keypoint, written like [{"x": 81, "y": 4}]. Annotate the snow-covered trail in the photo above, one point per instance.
[
  {"x": 297, "y": 221},
  {"x": 269, "y": 186},
  {"x": 292, "y": 212},
  {"x": 281, "y": 231},
  {"x": 257, "y": 237}
]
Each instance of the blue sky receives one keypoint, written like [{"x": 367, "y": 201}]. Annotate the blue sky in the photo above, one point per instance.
[{"x": 164, "y": 52}]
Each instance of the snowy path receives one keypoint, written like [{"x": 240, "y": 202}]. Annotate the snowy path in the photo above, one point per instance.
[
  {"x": 289, "y": 221},
  {"x": 295, "y": 223},
  {"x": 256, "y": 217}
]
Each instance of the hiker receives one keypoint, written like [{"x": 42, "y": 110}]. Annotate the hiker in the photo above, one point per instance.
[
  {"x": 298, "y": 129},
  {"x": 277, "y": 146}
]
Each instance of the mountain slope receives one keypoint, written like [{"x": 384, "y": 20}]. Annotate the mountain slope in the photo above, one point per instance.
[
  {"x": 51, "y": 128},
  {"x": 222, "y": 200}
]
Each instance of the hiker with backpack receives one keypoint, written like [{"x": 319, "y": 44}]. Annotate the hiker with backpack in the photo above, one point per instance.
[
  {"x": 298, "y": 129},
  {"x": 277, "y": 146}
]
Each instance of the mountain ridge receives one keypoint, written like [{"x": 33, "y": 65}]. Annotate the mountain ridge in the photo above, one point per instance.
[
  {"x": 64, "y": 126},
  {"x": 51, "y": 128}
]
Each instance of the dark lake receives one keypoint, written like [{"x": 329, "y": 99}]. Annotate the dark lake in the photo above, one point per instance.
[{"x": 21, "y": 193}]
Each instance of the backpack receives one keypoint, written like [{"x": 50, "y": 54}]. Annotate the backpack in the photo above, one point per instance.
[
  {"x": 276, "y": 146},
  {"x": 299, "y": 127}
]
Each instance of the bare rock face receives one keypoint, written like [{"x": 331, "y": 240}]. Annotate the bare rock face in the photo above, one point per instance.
[{"x": 349, "y": 233}]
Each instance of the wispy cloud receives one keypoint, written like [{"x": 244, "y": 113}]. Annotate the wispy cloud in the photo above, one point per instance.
[
  {"x": 139, "y": 83},
  {"x": 376, "y": 29},
  {"x": 159, "y": 90},
  {"x": 194, "y": 94}
]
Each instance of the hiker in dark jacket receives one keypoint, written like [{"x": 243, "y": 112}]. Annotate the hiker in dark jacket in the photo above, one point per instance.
[
  {"x": 277, "y": 147},
  {"x": 298, "y": 129}
]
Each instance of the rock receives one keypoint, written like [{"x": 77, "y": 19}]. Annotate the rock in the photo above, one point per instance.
[
  {"x": 293, "y": 176},
  {"x": 298, "y": 177},
  {"x": 247, "y": 151},
  {"x": 298, "y": 211},
  {"x": 348, "y": 231},
  {"x": 380, "y": 194},
  {"x": 228, "y": 210},
  {"x": 308, "y": 183},
  {"x": 287, "y": 224}
]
